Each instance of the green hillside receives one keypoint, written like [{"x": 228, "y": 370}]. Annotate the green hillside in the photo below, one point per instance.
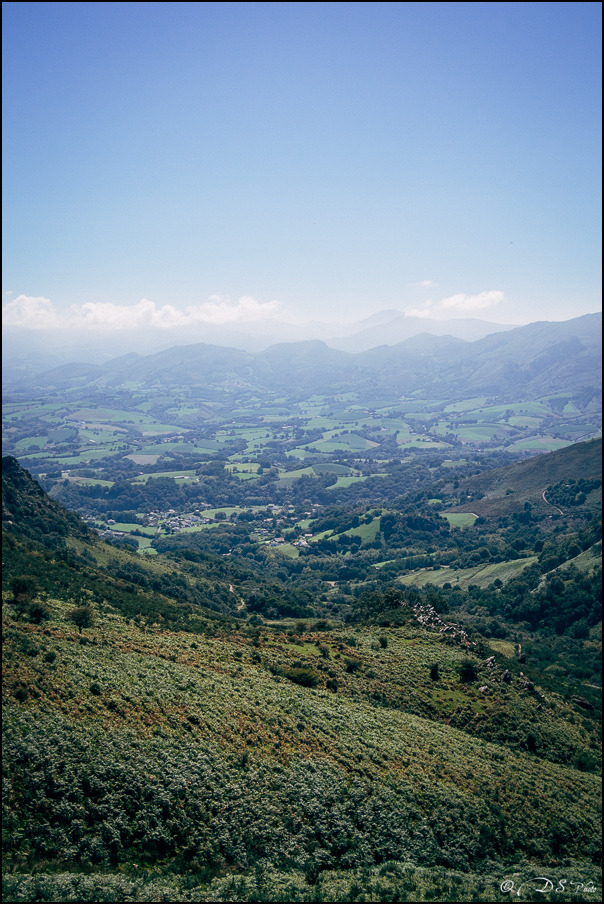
[
  {"x": 160, "y": 745},
  {"x": 507, "y": 489},
  {"x": 28, "y": 511}
]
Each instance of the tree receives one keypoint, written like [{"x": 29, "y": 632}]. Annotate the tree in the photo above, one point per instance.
[
  {"x": 37, "y": 613},
  {"x": 24, "y": 588},
  {"x": 83, "y": 617},
  {"x": 468, "y": 671}
]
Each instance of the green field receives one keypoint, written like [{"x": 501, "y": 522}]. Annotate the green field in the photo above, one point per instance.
[
  {"x": 194, "y": 528},
  {"x": 87, "y": 455},
  {"x": 287, "y": 550},
  {"x": 525, "y": 421},
  {"x": 183, "y": 475},
  {"x": 243, "y": 470},
  {"x": 92, "y": 481},
  {"x": 350, "y": 441},
  {"x": 540, "y": 443},
  {"x": 586, "y": 561},
  {"x": 505, "y": 647},
  {"x": 345, "y": 482},
  {"x": 460, "y": 519},
  {"x": 127, "y": 527},
  {"x": 143, "y": 458},
  {"x": 287, "y": 478},
  {"x": 481, "y": 575},
  {"x": 467, "y": 404},
  {"x": 478, "y": 432},
  {"x": 367, "y": 532},
  {"x": 331, "y": 468}
]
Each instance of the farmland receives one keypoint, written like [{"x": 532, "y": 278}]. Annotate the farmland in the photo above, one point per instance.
[
  {"x": 254, "y": 475},
  {"x": 330, "y": 445}
]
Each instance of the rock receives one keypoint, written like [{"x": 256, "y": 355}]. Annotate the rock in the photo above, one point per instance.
[
  {"x": 507, "y": 676},
  {"x": 489, "y": 663},
  {"x": 522, "y": 658},
  {"x": 581, "y": 701},
  {"x": 529, "y": 686},
  {"x": 484, "y": 689}
]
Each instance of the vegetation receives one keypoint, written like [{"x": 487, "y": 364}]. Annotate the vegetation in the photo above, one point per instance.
[{"x": 362, "y": 663}]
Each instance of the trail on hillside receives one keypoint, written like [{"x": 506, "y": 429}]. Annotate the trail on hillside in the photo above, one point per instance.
[{"x": 547, "y": 502}]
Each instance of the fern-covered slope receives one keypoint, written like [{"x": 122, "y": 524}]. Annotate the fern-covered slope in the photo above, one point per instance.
[{"x": 193, "y": 748}]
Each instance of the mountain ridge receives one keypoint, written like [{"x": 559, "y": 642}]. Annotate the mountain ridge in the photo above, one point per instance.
[{"x": 523, "y": 362}]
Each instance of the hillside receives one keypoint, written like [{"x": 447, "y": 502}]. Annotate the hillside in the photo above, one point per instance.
[
  {"x": 535, "y": 481},
  {"x": 28, "y": 511},
  {"x": 163, "y": 750}
]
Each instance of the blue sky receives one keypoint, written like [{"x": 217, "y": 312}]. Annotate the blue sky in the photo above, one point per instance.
[{"x": 189, "y": 162}]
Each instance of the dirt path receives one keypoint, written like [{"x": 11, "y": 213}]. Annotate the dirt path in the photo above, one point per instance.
[
  {"x": 547, "y": 502},
  {"x": 241, "y": 604}
]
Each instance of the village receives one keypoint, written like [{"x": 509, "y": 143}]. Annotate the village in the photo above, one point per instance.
[{"x": 268, "y": 521}]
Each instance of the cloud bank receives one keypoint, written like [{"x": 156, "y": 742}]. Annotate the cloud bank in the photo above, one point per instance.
[
  {"x": 460, "y": 305},
  {"x": 40, "y": 313}
]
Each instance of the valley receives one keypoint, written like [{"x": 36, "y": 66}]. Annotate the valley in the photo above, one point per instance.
[{"x": 303, "y": 624}]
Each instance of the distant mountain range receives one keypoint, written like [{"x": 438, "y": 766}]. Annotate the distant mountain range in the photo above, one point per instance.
[
  {"x": 27, "y": 352},
  {"x": 540, "y": 359},
  {"x": 392, "y": 327}
]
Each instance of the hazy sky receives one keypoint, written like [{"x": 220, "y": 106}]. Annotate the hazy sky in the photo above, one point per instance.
[{"x": 175, "y": 163}]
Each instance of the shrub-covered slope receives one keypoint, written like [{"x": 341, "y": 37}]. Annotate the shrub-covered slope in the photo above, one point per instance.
[
  {"x": 29, "y": 512},
  {"x": 158, "y": 751}
]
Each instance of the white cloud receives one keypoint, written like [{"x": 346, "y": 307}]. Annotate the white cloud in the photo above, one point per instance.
[
  {"x": 469, "y": 303},
  {"x": 247, "y": 309},
  {"x": 40, "y": 313},
  {"x": 424, "y": 284},
  {"x": 460, "y": 305},
  {"x": 30, "y": 313}
]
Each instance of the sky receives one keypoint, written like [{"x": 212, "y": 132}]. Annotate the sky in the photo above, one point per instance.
[{"x": 170, "y": 165}]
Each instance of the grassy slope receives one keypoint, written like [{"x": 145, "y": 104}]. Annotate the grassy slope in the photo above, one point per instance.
[{"x": 481, "y": 575}]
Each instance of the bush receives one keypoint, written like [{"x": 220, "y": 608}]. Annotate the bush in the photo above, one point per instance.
[
  {"x": 305, "y": 676},
  {"x": 322, "y": 625},
  {"x": 434, "y": 674},
  {"x": 37, "y": 613},
  {"x": 467, "y": 672}
]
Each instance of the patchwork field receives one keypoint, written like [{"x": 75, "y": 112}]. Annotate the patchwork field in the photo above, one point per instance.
[{"x": 482, "y": 576}]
